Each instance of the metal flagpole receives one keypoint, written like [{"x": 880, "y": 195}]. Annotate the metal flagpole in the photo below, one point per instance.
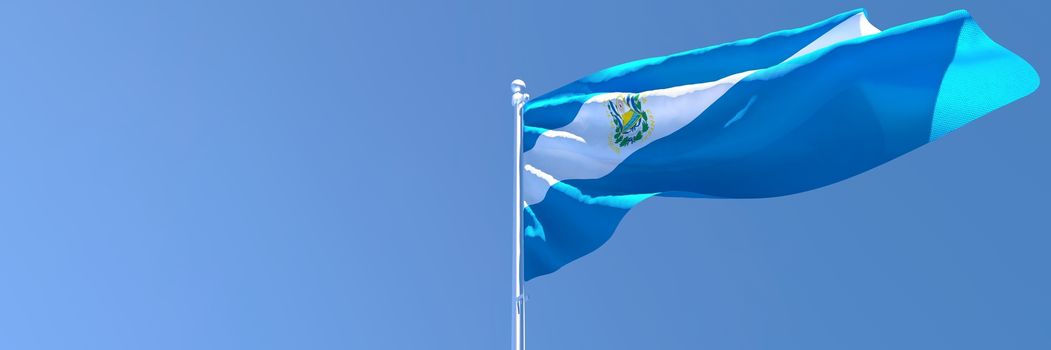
[{"x": 518, "y": 100}]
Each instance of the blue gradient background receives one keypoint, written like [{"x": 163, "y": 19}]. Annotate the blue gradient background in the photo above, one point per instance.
[{"x": 337, "y": 175}]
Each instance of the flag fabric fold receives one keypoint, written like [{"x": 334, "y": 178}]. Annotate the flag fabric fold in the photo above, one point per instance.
[{"x": 776, "y": 115}]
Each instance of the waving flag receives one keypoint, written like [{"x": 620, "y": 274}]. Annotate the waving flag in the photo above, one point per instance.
[{"x": 784, "y": 113}]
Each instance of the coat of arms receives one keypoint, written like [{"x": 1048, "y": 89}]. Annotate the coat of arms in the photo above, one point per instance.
[{"x": 631, "y": 123}]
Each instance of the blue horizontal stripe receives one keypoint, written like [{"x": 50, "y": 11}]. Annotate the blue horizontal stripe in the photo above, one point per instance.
[{"x": 568, "y": 225}]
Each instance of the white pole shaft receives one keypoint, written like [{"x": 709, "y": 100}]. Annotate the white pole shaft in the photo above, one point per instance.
[{"x": 518, "y": 100}]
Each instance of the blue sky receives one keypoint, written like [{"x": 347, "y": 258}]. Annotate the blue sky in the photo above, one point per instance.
[{"x": 337, "y": 175}]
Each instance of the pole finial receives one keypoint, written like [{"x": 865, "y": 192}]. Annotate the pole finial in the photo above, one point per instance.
[
  {"x": 517, "y": 85},
  {"x": 520, "y": 97}
]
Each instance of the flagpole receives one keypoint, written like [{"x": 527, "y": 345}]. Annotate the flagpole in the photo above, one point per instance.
[{"x": 518, "y": 100}]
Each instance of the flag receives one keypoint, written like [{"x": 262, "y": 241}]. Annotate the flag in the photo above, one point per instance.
[{"x": 771, "y": 116}]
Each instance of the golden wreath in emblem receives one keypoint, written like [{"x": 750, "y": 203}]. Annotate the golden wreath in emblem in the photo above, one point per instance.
[{"x": 631, "y": 123}]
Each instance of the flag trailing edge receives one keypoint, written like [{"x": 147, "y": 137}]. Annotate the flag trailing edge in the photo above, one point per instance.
[{"x": 780, "y": 114}]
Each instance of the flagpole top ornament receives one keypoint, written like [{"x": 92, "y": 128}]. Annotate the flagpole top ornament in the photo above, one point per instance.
[{"x": 520, "y": 97}]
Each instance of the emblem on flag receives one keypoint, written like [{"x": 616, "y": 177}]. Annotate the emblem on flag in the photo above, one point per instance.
[{"x": 631, "y": 123}]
